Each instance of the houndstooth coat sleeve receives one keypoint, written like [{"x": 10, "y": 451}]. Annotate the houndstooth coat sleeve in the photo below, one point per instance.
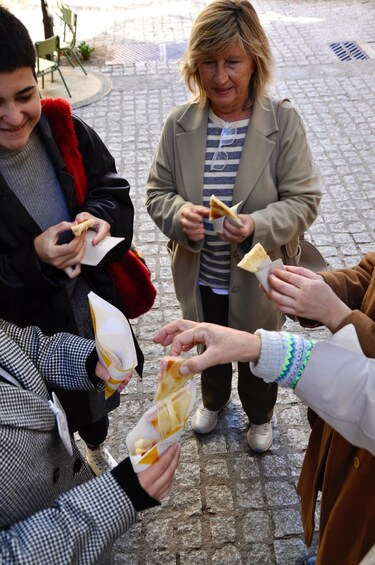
[{"x": 51, "y": 509}]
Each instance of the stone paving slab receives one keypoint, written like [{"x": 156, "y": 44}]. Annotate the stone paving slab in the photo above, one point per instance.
[{"x": 229, "y": 505}]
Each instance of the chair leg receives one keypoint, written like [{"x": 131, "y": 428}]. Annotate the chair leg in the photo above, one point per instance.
[
  {"x": 69, "y": 59},
  {"x": 66, "y": 86},
  {"x": 78, "y": 61}
]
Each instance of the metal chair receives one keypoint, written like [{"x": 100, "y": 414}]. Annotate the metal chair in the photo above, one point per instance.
[
  {"x": 44, "y": 66},
  {"x": 68, "y": 42}
]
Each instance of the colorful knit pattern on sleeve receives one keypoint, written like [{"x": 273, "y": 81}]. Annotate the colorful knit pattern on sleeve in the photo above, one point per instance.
[{"x": 283, "y": 357}]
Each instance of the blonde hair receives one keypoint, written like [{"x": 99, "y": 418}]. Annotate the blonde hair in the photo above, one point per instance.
[{"x": 220, "y": 24}]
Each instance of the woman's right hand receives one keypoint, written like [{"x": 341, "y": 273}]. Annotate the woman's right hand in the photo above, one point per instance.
[
  {"x": 66, "y": 256},
  {"x": 300, "y": 292},
  {"x": 157, "y": 479},
  {"x": 191, "y": 220}
]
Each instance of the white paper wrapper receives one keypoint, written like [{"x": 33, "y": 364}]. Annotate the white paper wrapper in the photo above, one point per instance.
[
  {"x": 145, "y": 430},
  {"x": 114, "y": 341},
  {"x": 93, "y": 255},
  {"x": 264, "y": 269},
  {"x": 218, "y": 224}
]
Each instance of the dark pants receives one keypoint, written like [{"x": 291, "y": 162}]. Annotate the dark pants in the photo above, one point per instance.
[
  {"x": 257, "y": 397},
  {"x": 95, "y": 433}
]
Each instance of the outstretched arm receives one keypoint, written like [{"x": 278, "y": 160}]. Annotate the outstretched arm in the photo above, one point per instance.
[
  {"x": 223, "y": 345},
  {"x": 337, "y": 382}
]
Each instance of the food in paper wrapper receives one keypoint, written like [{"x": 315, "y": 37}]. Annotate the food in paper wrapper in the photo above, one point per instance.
[
  {"x": 171, "y": 413},
  {"x": 170, "y": 378},
  {"x": 258, "y": 262},
  {"x": 218, "y": 209},
  {"x": 141, "y": 446},
  {"x": 162, "y": 425},
  {"x": 254, "y": 259},
  {"x": 114, "y": 341},
  {"x": 77, "y": 229}
]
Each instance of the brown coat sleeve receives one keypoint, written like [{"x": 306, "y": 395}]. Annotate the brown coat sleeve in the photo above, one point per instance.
[{"x": 356, "y": 287}]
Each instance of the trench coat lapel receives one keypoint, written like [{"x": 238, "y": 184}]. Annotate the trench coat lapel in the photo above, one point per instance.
[
  {"x": 256, "y": 152},
  {"x": 191, "y": 148}
]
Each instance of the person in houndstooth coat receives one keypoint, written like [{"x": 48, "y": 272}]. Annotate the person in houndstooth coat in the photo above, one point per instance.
[{"x": 52, "y": 510}]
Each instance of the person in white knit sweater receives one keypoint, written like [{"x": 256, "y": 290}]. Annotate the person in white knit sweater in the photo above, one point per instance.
[{"x": 332, "y": 376}]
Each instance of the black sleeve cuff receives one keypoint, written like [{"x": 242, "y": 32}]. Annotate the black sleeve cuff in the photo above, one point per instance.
[
  {"x": 128, "y": 480},
  {"x": 91, "y": 362}
]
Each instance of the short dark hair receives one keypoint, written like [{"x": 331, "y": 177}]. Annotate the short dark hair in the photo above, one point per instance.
[{"x": 16, "y": 47}]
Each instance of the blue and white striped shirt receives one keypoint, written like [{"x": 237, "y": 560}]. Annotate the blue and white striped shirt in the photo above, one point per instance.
[{"x": 215, "y": 255}]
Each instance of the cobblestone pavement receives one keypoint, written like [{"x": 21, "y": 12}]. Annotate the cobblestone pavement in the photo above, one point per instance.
[{"x": 229, "y": 505}]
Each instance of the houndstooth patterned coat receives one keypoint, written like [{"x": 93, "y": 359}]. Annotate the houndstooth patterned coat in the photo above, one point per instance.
[{"x": 51, "y": 509}]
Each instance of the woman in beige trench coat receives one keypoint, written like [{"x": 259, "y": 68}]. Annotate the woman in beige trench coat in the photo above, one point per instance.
[{"x": 233, "y": 141}]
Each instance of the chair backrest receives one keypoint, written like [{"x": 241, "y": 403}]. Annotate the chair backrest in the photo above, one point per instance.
[
  {"x": 69, "y": 19},
  {"x": 48, "y": 48}
]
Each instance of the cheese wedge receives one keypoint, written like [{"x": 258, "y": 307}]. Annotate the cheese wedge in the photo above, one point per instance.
[
  {"x": 218, "y": 209},
  {"x": 77, "y": 229},
  {"x": 170, "y": 378},
  {"x": 253, "y": 259}
]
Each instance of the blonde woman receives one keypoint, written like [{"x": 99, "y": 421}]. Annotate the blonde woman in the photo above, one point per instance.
[{"x": 234, "y": 141}]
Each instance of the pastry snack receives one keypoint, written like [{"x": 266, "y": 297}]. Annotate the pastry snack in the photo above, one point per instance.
[
  {"x": 141, "y": 445},
  {"x": 160, "y": 426},
  {"x": 218, "y": 209},
  {"x": 170, "y": 378},
  {"x": 172, "y": 413},
  {"x": 78, "y": 229},
  {"x": 253, "y": 260}
]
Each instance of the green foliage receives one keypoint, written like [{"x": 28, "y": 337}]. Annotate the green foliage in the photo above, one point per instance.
[{"x": 85, "y": 50}]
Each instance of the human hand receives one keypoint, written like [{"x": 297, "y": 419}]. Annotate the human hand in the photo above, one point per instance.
[
  {"x": 101, "y": 227},
  {"x": 157, "y": 479},
  {"x": 300, "y": 292},
  {"x": 66, "y": 256},
  {"x": 102, "y": 373},
  {"x": 222, "y": 345},
  {"x": 191, "y": 220},
  {"x": 236, "y": 234}
]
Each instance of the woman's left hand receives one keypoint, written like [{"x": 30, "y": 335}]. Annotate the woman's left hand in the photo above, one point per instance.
[
  {"x": 103, "y": 374},
  {"x": 235, "y": 234}
]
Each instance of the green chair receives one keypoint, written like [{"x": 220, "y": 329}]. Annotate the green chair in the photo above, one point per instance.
[
  {"x": 48, "y": 59},
  {"x": 68, "y": 42}
]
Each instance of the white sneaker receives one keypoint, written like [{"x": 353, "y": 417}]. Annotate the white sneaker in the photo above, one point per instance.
[
  {"x": 260, "y": 437},
  {"x": 100, "y": 460},
  {"x": 205, "y": 420}
]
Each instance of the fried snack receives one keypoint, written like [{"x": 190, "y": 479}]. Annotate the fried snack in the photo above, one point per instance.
[
  {"x": 171, "y": 413},
  {"x": 253, "y": 259},
  {"x": 78, "y": 229},
  {"x": 141, "y": 446},
  {"x": 170, "y": 378},
  {"x": 218, "y": 209}
]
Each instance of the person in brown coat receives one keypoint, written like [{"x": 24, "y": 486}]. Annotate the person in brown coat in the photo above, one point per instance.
[{"x": 344, "y": 473}]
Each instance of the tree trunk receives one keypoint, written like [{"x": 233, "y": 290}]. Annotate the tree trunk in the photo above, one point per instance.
[{"x": 47, "y": 20}]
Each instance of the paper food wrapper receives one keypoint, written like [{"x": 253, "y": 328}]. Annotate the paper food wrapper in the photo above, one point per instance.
[
  {"x": 93, "y": 255},
  {"x": 114, "y": 341},
  {"x": 264, "y": 269},
  {"x": 145, "y": 430},
  {"x": 218, "y": 224}
]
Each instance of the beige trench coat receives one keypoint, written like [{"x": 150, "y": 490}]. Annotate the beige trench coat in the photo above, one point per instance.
[{"x": 280, "y": 212}]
